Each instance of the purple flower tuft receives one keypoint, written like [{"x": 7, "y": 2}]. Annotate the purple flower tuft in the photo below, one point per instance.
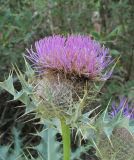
[
  {"x": 123, "y": 108},
  {"x": 74, "y": 54}
]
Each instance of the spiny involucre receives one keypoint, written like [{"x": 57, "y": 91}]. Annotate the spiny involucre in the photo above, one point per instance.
[{"x": 73, "y": 55}]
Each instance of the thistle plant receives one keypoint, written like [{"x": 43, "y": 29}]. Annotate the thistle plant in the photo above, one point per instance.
[
  {"x": 124, "y": 108},
  {"x": 66, "y": 75},
  {"x": 68, "y": 68},
  {"x": 74, "y": 55},
  {"x": 118, "y": 125}
]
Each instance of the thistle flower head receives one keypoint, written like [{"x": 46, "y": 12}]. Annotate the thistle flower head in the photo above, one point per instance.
[
  {"x": 124, "y": 108},
  {"x": 73, "y": 55}
]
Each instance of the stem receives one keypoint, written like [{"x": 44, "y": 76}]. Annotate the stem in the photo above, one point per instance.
[{"x": 66, "y": 140}]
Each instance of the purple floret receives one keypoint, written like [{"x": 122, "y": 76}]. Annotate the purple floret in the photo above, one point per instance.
[
  {"x": 74, "y": 54},
  {"x": 124, "y": 108}
]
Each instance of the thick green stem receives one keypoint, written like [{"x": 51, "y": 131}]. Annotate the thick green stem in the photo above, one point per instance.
[{"x": 66, "y": 140}]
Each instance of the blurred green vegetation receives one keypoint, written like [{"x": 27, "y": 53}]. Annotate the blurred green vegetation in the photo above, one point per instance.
[{"x": 108, "y": 21}]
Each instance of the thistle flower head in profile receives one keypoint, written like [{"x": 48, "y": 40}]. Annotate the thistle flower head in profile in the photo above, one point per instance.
[
  {"x": 68, "y": 67},
  {"x": 124, "y": 108},
  {"x": 73, "y": 55}
]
